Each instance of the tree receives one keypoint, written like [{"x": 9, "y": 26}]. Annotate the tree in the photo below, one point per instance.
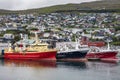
[
  {"x": 117, "y": 28},
  {"x": 17, "y": 38}
]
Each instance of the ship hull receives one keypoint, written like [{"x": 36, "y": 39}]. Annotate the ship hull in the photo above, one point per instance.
[
  {"x": 101, "y": 55},
  {"x": 72, "y": 54},
  {"x": 31, "y": 55}
]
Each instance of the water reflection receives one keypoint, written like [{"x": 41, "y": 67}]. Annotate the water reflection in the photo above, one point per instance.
[
  {"x": 52, "y": 70},
  {"x": 101, "y": 65},
  {"x": 44, "y": 64},
  {"x": 56, "y": 64},
  {"x": 28, "y": 63},
  {"x": 72, "y": 65}
]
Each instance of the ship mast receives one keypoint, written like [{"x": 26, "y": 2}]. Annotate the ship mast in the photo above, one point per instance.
[
  {"x": 77, "y": 44},
  {"x": 66, "y": 47},
  {"x": 36, "y": 38},
  {"x": 9, "y": 47},
  {"x": 108, "y": 46}
]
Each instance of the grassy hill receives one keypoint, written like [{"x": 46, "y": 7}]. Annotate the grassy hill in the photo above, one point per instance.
[{"x": 104, "y": 5}]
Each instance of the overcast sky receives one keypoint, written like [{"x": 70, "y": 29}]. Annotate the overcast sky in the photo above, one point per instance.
[{"x": 27, "y": 4}]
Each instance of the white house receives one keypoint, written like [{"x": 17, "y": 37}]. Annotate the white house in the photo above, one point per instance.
[{"x": 8, "y": 36}]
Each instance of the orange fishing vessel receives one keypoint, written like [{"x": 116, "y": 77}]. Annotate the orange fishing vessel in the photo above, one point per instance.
[{"x": 35, "y": 51}]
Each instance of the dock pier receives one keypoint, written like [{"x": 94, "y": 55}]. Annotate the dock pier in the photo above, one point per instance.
[{"x": 1, "y": 56}]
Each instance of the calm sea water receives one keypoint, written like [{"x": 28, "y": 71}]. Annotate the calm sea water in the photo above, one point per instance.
[{"x": 51, "y": 70}]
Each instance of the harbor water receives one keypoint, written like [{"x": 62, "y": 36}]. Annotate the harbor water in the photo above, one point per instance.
[{"x": 57, "y": 70}]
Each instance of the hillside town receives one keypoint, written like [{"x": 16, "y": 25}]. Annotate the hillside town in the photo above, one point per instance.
[
  {"x": 59, "y": 39},
  {"x": 62, "y": 26}
]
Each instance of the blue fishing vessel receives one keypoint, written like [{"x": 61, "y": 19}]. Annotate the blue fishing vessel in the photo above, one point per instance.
[{"x": 76, "y": 53}]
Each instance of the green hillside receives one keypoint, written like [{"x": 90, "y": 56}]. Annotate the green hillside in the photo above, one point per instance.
[{"x": 107, "y": 5}]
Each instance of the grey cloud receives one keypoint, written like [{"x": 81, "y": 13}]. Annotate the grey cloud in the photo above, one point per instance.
[{"x": 27, "y": 4}]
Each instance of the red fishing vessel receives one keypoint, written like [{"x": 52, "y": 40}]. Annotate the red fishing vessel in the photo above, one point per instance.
[
  {"x": 101, "y": 54},
  {"x": 97, "y": 53},
  {"x": 97, "y": 44},
  {"x": 35, "y": 51}
]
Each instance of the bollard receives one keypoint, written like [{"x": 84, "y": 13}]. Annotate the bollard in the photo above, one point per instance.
[{"x": 3, "y": 52}]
